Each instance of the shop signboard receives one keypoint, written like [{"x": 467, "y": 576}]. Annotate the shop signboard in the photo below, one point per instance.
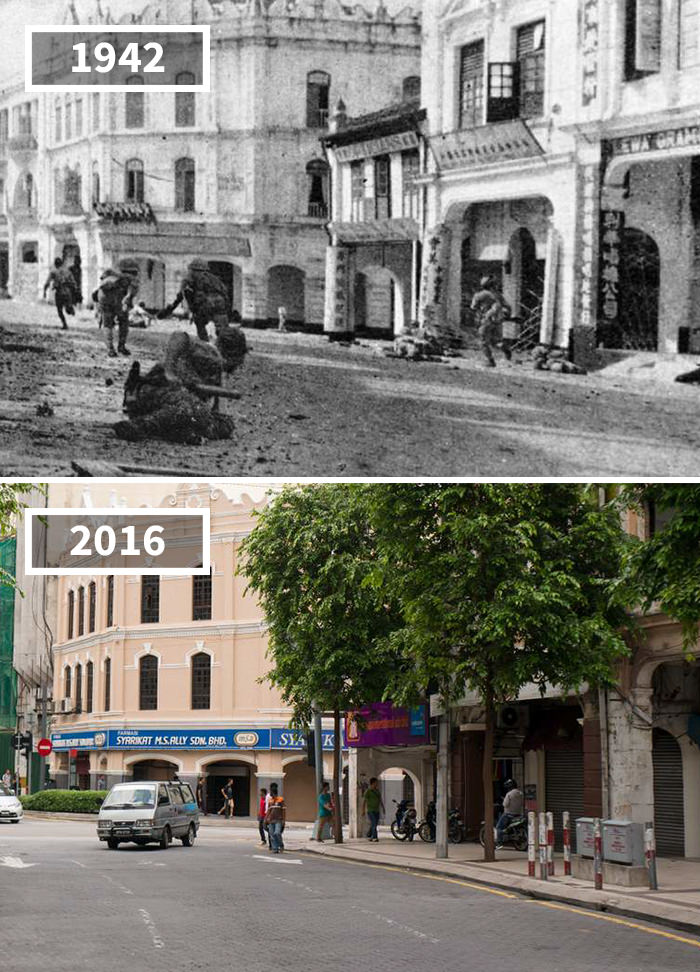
[
  {"x": 383, "y": 725},
  {"x": 185, "y": 738}
]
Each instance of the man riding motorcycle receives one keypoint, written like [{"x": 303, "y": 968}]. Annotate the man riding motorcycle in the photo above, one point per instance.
[{"x": 512, "y": 809}]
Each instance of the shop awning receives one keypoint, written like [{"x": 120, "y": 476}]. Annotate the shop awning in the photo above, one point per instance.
[
  {"x": 126, "y": 212},
  {"x": 376, "y": 231}
]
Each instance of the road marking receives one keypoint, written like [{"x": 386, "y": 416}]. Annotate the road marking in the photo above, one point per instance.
[
  {"x": 616, "y": 921},
  {"x": 427, "y": 877},
  {"x": 274, "y": 857},
  {"x": 79, "y": 863},
  {"x": 397, "y": 925},
  {"x": 14, "y": 862},
  {"x": 295, "y": 884},
  {"x": 150, "y": 925}
]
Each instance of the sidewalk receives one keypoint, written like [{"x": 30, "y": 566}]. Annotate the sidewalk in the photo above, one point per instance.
[{"x": 676, "y": 903}]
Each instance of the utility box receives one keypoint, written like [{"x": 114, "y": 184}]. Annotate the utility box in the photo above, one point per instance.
[{"x": 623, "y": 841}]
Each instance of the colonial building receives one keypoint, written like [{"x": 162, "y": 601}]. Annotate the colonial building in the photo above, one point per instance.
[
  {"x": 374, "y": 262},
  {"x": 236, "y": 175},
  {"x": 158, "y": 676}
]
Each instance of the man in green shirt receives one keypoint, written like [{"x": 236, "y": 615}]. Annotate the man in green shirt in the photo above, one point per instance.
[
  {"x": 373, "y": 805},
  {"x": 325, "y": 810}
]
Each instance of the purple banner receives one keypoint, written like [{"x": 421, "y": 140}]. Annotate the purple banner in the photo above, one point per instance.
[{"x": 381, "y": 724}]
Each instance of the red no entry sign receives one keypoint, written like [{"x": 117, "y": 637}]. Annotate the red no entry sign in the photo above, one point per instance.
[
  {"x": 44, "y": 747},
  {"x": 73, "y": 753}
]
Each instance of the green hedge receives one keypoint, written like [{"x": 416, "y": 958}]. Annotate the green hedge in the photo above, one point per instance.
[{"x": 65, "y": 801}]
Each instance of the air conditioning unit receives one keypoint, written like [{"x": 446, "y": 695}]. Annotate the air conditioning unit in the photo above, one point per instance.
[{"x": 513, "y": 718}]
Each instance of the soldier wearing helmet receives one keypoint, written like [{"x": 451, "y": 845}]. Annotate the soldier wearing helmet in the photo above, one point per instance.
[
  {"x": 490, "y": 310},
  {"x": 206, "y": 297},
  {"x": 115, "y": 298}
]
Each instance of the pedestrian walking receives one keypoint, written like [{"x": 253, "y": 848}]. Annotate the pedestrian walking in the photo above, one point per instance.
[
  {"x": 227, "y": 794},
  {"x": 325, "y": 811},
  {"x": 373, "y": 806},
  {"x": 275, "y": 818},
  {"x": 262, "y": 809},
  {"x": 114, "y": 297},
  {"x": 201, "y": 795},
  {"x": 7, "y": 778},
  {"x": 206, "y": 297},
  {"x": 490, "y": 310},
  {"x": 281, "y": 318},
  {"x": 62, "y": 281}
]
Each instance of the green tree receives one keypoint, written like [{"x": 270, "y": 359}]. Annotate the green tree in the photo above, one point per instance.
[
  {"x": 308, "y": 560},
  {"x": 665, "y": 568},
  {"x": 12, "y": 502},
  {"x": 500, "y": 585}
]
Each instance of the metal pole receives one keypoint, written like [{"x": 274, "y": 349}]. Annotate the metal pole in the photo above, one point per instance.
[
  {"x": 650, "y": 854},
  {"x": 543, "y": 845},
  {"x": 550, "y": 844},
  {"x": 442, "y": 783},
  {"x": 531, "y": 843},
  {"x": 567, "y": 843},
  {"x": 318, "y": 750},
  {"x": 597, "y": 854}
]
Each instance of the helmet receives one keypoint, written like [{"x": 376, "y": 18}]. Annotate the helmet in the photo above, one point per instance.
[
  {"x": 129, "y": 265},
  {"x": 510, "y": 785},
  {"x": 198, "y": 264},
  {"x": 109, "y": 272}
]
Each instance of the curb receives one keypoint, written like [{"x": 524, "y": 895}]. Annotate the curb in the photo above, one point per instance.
[{"x": 528, "y": 887}]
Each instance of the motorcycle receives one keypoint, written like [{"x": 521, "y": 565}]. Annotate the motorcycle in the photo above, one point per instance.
[
  {"x": 455, "y": 827},
  {"x": 427, "y": 827},
  {"x": 514, "y": 835},
  {"x": 403, "y": 826}
]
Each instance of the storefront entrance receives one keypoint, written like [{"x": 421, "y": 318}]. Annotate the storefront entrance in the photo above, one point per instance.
[
  {"x": 217, "y": 775},
  {"x": 153, "y": 769}
]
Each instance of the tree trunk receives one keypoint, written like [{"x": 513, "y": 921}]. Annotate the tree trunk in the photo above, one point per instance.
[
  {"x": 487, "y": 778},
  {"x": 338, "y": 811}
]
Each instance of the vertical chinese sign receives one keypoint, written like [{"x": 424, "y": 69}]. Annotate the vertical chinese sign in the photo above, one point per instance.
[
  {"x": 590, "y": 42},
  {"x": 611, "y": 230}
]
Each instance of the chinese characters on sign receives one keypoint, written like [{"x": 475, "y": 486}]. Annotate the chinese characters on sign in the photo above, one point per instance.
[
  {"x": 611, "y": 227},
  {"x": 588, "y": 197},
  {"x": 590, "y": 36}
]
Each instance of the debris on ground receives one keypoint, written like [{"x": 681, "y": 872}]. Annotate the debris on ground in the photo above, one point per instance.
[
  {"x": 689, "y": 377},
  {"x": 546, "y": 358},
  {"x": 44, "y": 410},
  {"x": 417, "y": 345}
]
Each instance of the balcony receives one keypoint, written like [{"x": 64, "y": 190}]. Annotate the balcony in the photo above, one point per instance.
[
  {"x": 318, "y": 210},
  {"x": 22, "y": 146}
]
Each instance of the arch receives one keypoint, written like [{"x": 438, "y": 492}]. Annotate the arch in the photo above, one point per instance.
[
  {"x": 411, "y": 88},
  {"x": 159, "y": 755},
  {"x": 155, "y": 768},
  {"x": 317, "y": 177},
  {"x": 639, "y": 272},
  {"x": 286, "y": 288},
  {"x": 240, "y": 757},
  {"x": 318, "y": 87},
  {"x": 200, "y": 680},
  {"x": 379, "y": 300},
  {"x": 148, "y": 682},
  {"x": 525, "y": 274},
  {"x": 218, "y": 770}
]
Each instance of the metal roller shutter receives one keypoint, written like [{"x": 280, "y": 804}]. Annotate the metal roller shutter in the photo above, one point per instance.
[
  {"x": 564, "y": 787},
  {"x": 669, "y": 821}
]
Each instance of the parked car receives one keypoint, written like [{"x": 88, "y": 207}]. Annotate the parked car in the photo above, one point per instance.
[
  {"x": 10, "y": 806},
  {"x": 147, "y": 812}
]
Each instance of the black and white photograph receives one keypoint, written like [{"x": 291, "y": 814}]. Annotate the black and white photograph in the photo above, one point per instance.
[{"x": 392, "y": 238}]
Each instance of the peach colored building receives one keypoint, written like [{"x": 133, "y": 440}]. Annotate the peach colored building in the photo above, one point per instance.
[{"x": 158, "y": 676}]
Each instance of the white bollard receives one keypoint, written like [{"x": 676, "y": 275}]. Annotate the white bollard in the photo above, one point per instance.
[
  {"x": 531, "y": 843},
  {"x": 567, "y": 842},
  {"x": 543, "y": 845}
]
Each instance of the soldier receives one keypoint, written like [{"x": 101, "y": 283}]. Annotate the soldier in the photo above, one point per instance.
[
  {"x": 115, "y": 298},
  {"x": 64, "y": 290},
  {"x": 206, "y": 297},
  {"x": 490, "y": 310}
]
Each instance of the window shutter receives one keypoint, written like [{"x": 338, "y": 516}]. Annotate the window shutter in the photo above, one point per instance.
[
  {"x": 502, "y": 91},
  {"x": 647, "y": 36}
]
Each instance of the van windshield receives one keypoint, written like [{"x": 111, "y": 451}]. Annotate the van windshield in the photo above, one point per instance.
[{"x": 126, "y": 797}]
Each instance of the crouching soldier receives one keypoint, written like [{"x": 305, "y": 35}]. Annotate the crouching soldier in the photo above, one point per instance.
[
  {"x": 206, "y": 297},
  {"x": 115, "y": 298}
]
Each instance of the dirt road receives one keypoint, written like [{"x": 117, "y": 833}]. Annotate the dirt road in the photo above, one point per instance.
[{"x": 309, "y": 408}]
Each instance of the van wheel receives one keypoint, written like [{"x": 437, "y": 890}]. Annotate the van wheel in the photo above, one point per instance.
[
  {"x": 190, "y": 837},
  {"x": 165, "y": 839},
  {"x": 112, "y": 843}
]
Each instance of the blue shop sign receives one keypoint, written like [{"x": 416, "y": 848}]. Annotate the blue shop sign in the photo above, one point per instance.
[
  {"x": 184, "y": 739},
  {"x": 296, "y": 739}
]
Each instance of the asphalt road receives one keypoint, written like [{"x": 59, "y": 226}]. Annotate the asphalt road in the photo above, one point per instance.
[
  {"x": 67, "y": 903},
  {"x": 310, "y": 408}
]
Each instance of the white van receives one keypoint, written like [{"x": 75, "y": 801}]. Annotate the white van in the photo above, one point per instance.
[{"x": 148, "y": 812}]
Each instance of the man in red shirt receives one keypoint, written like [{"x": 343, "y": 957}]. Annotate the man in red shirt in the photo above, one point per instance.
[{"x": 261, "y": 817}]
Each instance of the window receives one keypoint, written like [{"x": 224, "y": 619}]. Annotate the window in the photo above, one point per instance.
[
  {"x": 150, "y": 599},
  {"x": 108, "y": 684},
  {"x": 58, "y": 122},
  {"x": 201, "y": 681},
  {"x": 89, "y": 675},
  {"x": 81, "y": 611},
  {"x": 201, "y": 597},
  {"x": 643, "y": 37},
  {"x": 78, "y": 688},
  {"x": 410, "y": 168},
  {"x": 92, "y": 597},
  {"x": 503, "y": 92},
  {"x": 357, "y": 191},
  {"x": 317, "y": 176},
  {"x": 95, "y": 121},
  {"x": 176, "y": 795},
  {"x": 4, "y": 125},
  {"x": 71, "y": 201},
  {"x": 531, "y": 67},
  {"x": 410, "y": 89},
  {"x": 57, "y": 190},
  {"x": 67, "y": 682},
  {"x": 382, "y": 187},
  {"x": 134, "y": 103},
  {"x": 95, "y": 182},
  {"x": 110, "y": 602},
  {"x": 78, "y": 117},
  {"x": 184, "y": 101},
  {"x": 133, "y": 191},
  {"x": 689, "y": 39},
  {"x": 318, "y": 88},
  {"x": 22, "y": 118},
  {"x": 184, "y": 185},
  {"x": 148, "y": 682},
  {"x": 71, "y": 606},
  {"x": 69, "y": 119},
  {"x": 471, "y": 85},
  {"x": 163, "y": 797}
]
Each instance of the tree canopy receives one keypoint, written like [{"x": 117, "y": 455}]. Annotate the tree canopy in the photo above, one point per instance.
[{"x": 11, "y": 505}]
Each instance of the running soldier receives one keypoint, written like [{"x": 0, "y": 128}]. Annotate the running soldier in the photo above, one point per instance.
[
  {"x": 490, "y": 310},
  {"x": 206, "y": 297},
  {"x": 61, "y": 279},
  {"x": 115, "y": 298}
]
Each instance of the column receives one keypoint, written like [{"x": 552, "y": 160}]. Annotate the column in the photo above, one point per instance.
[
  {"x": 630, "y": 754},
  {"x": 435, "y": 279},
  {"x": 337, "y": 318}
]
